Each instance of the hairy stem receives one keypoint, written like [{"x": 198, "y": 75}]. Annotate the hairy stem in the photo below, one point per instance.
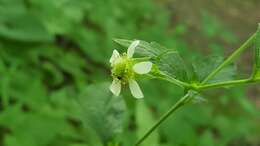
[
  {"x": 230, "y": 58},
  {"x": 185, "y": 99}
]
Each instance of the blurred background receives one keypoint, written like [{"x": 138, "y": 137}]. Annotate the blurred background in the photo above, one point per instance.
[{"x": 54, "y": 73}]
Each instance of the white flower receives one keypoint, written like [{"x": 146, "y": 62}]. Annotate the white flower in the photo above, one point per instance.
[{"x": 124, "y": 70}]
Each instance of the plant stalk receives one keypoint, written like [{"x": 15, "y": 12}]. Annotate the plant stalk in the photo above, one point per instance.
[
  {"x": 185, "y": 99},
  {"x": 230, "y": 58},
  {"x": 228, "y": 83},
  {"x": 174, "y": 81}
]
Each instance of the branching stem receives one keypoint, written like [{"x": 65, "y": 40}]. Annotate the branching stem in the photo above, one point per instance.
[
  {"x": 234, "y": 55},
  {"x": 202, "y": 86}
]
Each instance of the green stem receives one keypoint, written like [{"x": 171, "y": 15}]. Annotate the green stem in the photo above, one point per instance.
[
  {"x": 255, "y": 72},
  {"x": 185, "y": 99},
  {"x": 228, "y": 83},
  {"x": 230, "y": 58},
  {"x": 174, "y": 81}
]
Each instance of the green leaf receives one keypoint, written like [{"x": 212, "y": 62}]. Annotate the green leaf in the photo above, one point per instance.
[
  {"x": 59, "y": 17},
  {"x": 173, "y": 65},
  {"x": 227, "y": 73},
  {"x": 169, "y": 61},
  {"x": 23, "y": 27},
  {"x": 145, "y": 120},
  {"x": 49, "y": 123},
  {"x": 101, "y": 111},
  {"x": 204, "y": 66},
  {"x": 144, "y": 48}
]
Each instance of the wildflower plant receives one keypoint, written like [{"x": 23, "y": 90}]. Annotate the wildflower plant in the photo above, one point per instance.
[
  {"x": 125, "y": 68},
  {"x": 158, "y": 62}
]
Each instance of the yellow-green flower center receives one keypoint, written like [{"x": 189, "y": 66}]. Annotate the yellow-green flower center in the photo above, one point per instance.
[{"x": 122, "y": 69}]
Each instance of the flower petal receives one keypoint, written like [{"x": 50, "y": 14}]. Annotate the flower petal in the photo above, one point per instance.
[
  {"x": 114, "y": 56},
  {"x": 131, "y": 48},
  {"x": 135, "y": 89},
  {"x": 115, "y": 87},
  {"x": 143, "y": 67}
]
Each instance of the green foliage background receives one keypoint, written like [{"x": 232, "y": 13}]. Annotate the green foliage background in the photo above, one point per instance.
[{"x": 54, "y": 75}]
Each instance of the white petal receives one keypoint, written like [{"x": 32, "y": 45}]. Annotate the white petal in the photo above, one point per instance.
[
  {"x": 135, "y": 89},
  {"x": 115, "y": 87},
  {"x": 143, "y": 67},
  {"x": 131, "y": 48},
  {"x": 114, "y": 56}
]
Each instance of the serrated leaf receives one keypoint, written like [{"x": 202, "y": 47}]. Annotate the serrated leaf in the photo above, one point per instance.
[
  {"x": 204, "y": 66},
  {"x": 169, "y": 61},
  {"x": 172, "y": 64},
  {"x": 144, "y": 48},
  {"x": 101, "y": 111},
  {"x": 227, "y": 73}
]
